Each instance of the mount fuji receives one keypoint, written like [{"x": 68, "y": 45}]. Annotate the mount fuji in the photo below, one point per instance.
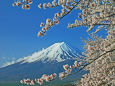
[
  {"x": 57, "y": 52},
  {"x": 46, "y": 61}
]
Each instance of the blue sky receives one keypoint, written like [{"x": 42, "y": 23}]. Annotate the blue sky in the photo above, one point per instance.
[{"x": 18, "y": 30}]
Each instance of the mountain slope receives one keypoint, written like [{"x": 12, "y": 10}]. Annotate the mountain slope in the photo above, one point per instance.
[{"x": 46, "y": 61}]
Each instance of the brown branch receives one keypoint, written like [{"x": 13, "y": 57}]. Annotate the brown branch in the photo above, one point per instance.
[
  {"x": 97, "y": 24},
  {"x": 71, "y": 9},
  {"x": 103, "y": 24},
  {"x": 91, "y": 62}
]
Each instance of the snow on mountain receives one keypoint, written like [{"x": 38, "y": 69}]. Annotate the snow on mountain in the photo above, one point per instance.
[{"x": 56, "y": 52}]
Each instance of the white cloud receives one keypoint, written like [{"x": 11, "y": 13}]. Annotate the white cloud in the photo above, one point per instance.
[
  {"x": 8, "y": 63},
  {"x": 5, "y": 61}
]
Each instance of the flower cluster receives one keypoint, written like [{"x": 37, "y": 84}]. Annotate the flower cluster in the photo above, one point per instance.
[
  {"x": 103, "y": 68},
  {"x": 45, "y": 27},
  {"x": 44, "y": 78},
  {"x": 48, "y": 5},
  {"x": 94, "y": 13},
  {"x": 67, "y": 6},
  {"x": 25, "y": 4},
  {"x": 68, "y": 69},
  {"x": 27, "y": 81},
  {"x": 66, "y": 9}
]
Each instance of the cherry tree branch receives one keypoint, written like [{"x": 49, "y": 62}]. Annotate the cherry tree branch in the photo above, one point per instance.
[
  {"x": 92, "y": 62},
  {"x": 71, "y": 9}
]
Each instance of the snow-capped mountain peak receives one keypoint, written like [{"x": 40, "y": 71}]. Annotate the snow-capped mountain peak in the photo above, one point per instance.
[
  {"x": 51, "y": 59},
  {"x": 56, "y": 52}
]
